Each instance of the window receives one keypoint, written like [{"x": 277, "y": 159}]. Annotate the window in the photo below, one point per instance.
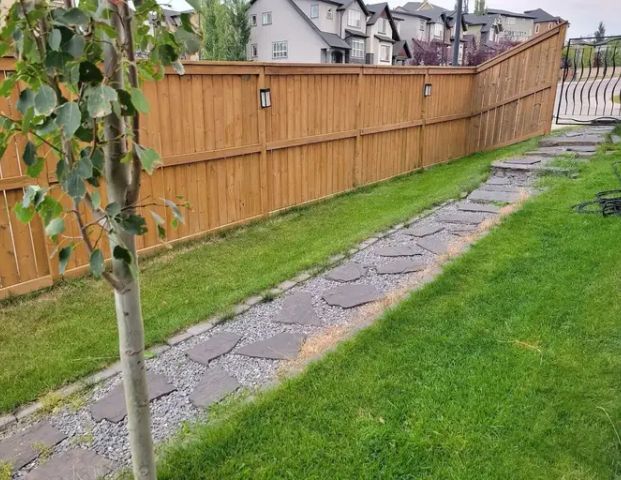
[
  {"x": 314, "y": 12},
  {"x": 537, "y": 28},
  {"x": 357, "y": 48},
  {"x": 266, "y": 18},
  {"x": 253, "y": 20},
  {"x": 254, "y": 50},
  {"x": 382, "y": 25},
  {"x": 385, "y": 53},
  {"x": 280, "y": 50},
  {"x": 330, "y": 14},
  {"x": 354, "y": 18},
  {"x": 438, "y": 31}
]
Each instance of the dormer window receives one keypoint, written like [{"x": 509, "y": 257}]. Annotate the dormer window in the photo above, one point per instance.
[
  {"x": 354, "y": 18},
  {"x": 314, "y": 11}
]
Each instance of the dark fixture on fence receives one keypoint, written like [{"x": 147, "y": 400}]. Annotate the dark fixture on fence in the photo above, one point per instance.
[
  {"x": 266, "y": 97},
  {"x": 427, "y": 90}
]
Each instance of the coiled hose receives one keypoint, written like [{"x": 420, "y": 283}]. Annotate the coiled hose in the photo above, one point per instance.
[{"x": 607, "y": 202}]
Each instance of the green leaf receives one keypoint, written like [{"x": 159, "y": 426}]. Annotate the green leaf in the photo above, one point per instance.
[
  {"x": 75, "y": 16},
  {"x": 113, "y": 209},
  {"x": 73, "y": 184},
  {"x": 139, "y": 100},
  {"x": 68, "y": 118},
  {"x": 175, "y": 209},
  {"x": 55, "y": 227},
  {"x": 30, "y": 153},
  {"x": 96, "y": 263},
  {"x": 133, "y": 224},
  {"x": 54, "y": 38},
  {"x": 24, "y": 214},
  {"x": 89, "y": 72},
  {"x": 36, "y": 168},
  {"x": 63, "y": 258},
  {"x": 33, "y": 195},
  {"x": 149, "y": 158},
  {"x": 25, "y": 100},
  {"x": 85, "y": 166},
  {"x": 167, "y": 54},
  {"x": 7, "y": 86},
  {"x": 121, "y": 253},
  {"x": 125, "y": 101},
  {"x": 99, "y": 100},
  {"x": 75, "y": 46},
  {"x": 45, "y": 100},
  {"x": 96, "y": 200},
  {"x": 49, "y": 209}
]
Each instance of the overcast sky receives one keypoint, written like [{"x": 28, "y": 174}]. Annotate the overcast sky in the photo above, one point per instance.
[{"x": 583, "y": 15}]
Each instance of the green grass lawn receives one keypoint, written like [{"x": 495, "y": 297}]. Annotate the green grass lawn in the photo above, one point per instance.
[
  {"x": 57, "y": 337},
  {"x": 507, "y": 366}
]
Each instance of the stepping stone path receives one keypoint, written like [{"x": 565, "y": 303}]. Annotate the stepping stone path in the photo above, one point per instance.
[
  {"x": 216, "y": 346},
  {"x": 301, "y": 312},
  {"x": 112, "y": 406},
  {"x": 350, "y": 296},
  {"x": 616, "y": 139},
  {"x": 213, "y": 387},
  {"x": 24, "y": 447},
  {"x": 398, "y": 251},
  {"x": 75, "y": 464},
  {"x": 478, "y": 207},
  {"x": 462, "y": 217},
  {"x": 434, "y": 244},
  {"x": 346, "y": 273},
  {"x": 400, "y": 266},
  {"x": 298, "y": 308},
  {"x": 423, "y": 230},
  {"x": 284, "y": 346}
]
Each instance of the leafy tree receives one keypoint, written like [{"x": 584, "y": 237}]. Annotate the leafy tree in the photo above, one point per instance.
[
  {"x": 239, "y": 28},
  {"x": 479, "y": 7},
  {"x": 600, "y": 33},
  {"x": 226, "y": 29},
  {"x": 78, "y": 78}
]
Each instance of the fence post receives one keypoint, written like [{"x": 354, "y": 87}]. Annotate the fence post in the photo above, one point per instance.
[
  {"x": 423, "y": 117},
  {"x": 263, "y": 142},
  {"x": 555, "y": 75},
  {"x": 357, "y": 178}
]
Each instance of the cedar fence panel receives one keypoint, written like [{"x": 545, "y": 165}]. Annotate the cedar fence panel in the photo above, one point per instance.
[{"x": 330, "y": 129}]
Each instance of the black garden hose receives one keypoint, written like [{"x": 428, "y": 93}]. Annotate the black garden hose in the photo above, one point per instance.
[{"x": 607, "y": 202}]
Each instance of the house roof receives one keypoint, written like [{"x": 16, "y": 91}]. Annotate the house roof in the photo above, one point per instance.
[
  {"x": 376, "y": 10},
  {"x": 355, "y": 33},
  {"x": 343, "y": 5},
  {"x": 401, "y": 49},
  {"x": 384, "y": 38},
  {"x": 541, "y": 15},
  {"x": 486, "y": 21},
  {"x": 401, "y": 11},
  {"x": 428, "y": 10},
  {"x": 507, "y": 13}
]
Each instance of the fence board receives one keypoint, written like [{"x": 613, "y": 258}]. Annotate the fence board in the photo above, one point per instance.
[{"x": 329, "y": 130}]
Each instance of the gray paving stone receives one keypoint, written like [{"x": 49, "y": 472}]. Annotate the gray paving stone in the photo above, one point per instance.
[
  {"x": 213, "y": 347},
  {"x": 347, "y": 272},
  {"x": 283, "y": 346},
  {"x": 478, "y": 207},
  {"x": 7, "y": 421},
  {"x": 558, "y": 151},
  {"x": 400, "y": 265},
  {"x": 349, "y": 296},
  {"x": 298, "y": 308},
  {"x": 112, "y": 406},
  {"x": 488, "y": 196},
  {"x": 74, "y": 464},
  {"x": 462, "y": 217},
  {"x": 498, "y": 181},
  {"x": 24, "y": 447},
  {"x": 500, "y": 188},
  {"x": 424, "y": 230},
  {"x": 398, "y": 251},
  {"x": 434, "y": 244},
  {"x": 213, "y": 387},
  {"x": 564, "y": 140},
  {"x": 523, "y": 160},
  {"x": 615, "y": 139}
]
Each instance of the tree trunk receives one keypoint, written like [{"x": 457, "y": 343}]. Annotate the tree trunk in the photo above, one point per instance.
[{"x": 127, "y": 299}]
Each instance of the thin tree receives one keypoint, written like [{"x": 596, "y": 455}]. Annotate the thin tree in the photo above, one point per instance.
[
  {"x": 78, "y": 78},
  {"x": 479, "y": 7},
  {"x": 239, "y": 28},
  {"x": 600, "y": 33}
]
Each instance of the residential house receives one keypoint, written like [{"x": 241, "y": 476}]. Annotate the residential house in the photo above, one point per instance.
[
  {"x": 543, "y": 20},
  {"x": 484, "y": 29},
  {"x": 321, "y": 31},
  {"x": 515, "y": 27}
]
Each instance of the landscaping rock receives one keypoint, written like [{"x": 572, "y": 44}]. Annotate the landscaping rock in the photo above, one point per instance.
[
  {"x": 347, "y": 272},
  {"x": 112, "y": 406},
  {"x": 577, "y": 140},
  {"x": 478, "y": 207},
  {"x": 213, "y": 387},
  {"x": 488, "y": 196},
  {"x": 500, "y": 188},
  {"x": 423, "y": 230},
  {"x": 298, "y": 308},
  {"x": 498, "y": 181},
  {"x": 283, "y": 346},
  {"x": 74, "y": 464},
  {"x": 217, "y": 345},
  {"x": 462, "y": 217},
  {"x": 434, "y": 244},
  {"x": 398, "y": 251},
  {"x": 522, "y": 160},
  {"x": 400, "y": 266},
  {"x": 24, "y": 447},
  {"x": 349, "y": 296}
]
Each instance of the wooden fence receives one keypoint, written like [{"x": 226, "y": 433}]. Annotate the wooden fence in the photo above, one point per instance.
[{"x": 330, "y": 129}]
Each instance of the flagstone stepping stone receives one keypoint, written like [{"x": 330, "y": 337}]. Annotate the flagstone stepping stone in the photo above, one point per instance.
[
  {"x": 213, "y": 387},
  {"x": 24, "y": 447},
  {"x": 112, "y": 406},
  {"x": 398, "y": 251},
  {"x": 298, "y": 308},
  {"x": 579, "y": 140},
  {"x": 349, "y": 296},
  {"x": 347, "y": 272},
  {"x": 558, "y": 151},
  {"x": 400, "y": 265},
  {"x": 478, "y": 207},
  {"x": 615, "y": 139},
  {"x": 74, "y": 464},
  {"x": 523, "y": 160},
  {"x": 462, "y": 217},
  {"x": 423, "y": 230},
  {"x": 480, "y": 195},
  {"x": 215, "y": 346},
  {"x": 498, "y": 181},
  {"x": 434, "y": 244},
  {"x": 284, "y": 346},
  {"x": 500, "y": 188}
]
